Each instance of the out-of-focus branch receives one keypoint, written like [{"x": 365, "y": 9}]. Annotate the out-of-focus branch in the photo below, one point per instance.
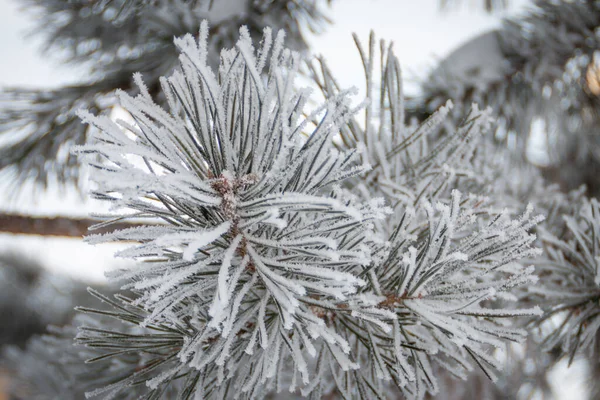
[{"x": 53, "y": 226}]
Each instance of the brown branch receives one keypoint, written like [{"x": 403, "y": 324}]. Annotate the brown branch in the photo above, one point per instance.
[{"x": 54, "y": 226}]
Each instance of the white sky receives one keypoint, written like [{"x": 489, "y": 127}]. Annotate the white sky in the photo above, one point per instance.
[{"x": 20, "y": 61}]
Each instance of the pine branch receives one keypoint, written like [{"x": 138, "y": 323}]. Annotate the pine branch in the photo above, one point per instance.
[
  {"x": 277, "y": 249},
  {"x": 250, "y": 190},
  {"x": 412, "y": 165}
]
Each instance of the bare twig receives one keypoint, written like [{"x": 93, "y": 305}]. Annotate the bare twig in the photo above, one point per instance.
[{"x": 53, "y": 226}]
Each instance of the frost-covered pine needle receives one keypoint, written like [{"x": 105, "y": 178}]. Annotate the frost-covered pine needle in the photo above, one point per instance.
[{"x": 280, "y": 259}]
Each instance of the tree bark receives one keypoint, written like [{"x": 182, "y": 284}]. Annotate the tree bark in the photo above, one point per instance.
[{"x": 54, "y": 226}]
